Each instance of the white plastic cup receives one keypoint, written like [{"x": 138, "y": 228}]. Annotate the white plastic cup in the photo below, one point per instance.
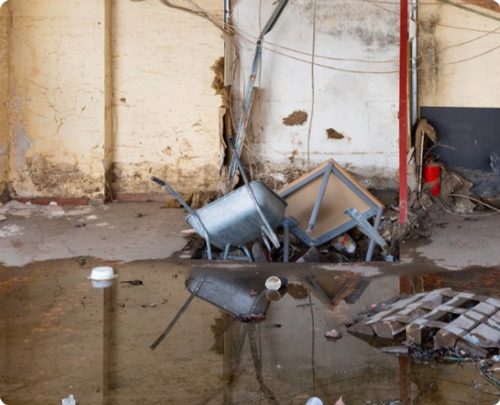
[
  {"x": 275, "y": 283},
  {"x": 102, "y": 277},
  {"x": 102, "y": 273}
]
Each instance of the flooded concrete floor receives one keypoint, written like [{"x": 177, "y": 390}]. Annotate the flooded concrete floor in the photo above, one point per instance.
[{"x": 60, "y": 336}]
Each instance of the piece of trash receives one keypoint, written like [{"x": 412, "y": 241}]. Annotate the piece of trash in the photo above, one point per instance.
[
  {"x": 149, "y": 305},
  {"x": 252, "y": 293},
  {"x": 132, "y": 282},
  {"x": 258, "y": 253},
  {"x": 333, "y": 334},
  {"x": 52, "y": 203},
  {"x": 275, "y": 283},
  {"x": 314, "y": 401},
  {"x": 69, "y": 401},
  {"x": 251, "y": 317},
  {"x": 344, "y": 244},
  {"x": 2, "y": 403},
  {"x": 313, "y": 255},
  {"x": 91, "y": 217},
  {"x": 394, "y": 350},
  {"x": 339, "y": 402}
]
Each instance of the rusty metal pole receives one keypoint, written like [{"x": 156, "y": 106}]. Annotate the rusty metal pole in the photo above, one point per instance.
[{"x": 403, "y": 114}]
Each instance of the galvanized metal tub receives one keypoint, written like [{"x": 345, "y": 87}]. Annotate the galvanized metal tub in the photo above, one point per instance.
[{"x": 234, "y": 219}]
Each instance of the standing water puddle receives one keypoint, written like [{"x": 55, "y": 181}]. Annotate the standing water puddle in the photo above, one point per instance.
[{"x": 59, "y": 336}]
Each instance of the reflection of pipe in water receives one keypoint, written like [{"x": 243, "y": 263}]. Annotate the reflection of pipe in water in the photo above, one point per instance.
[{"x": 176, "y": 318}]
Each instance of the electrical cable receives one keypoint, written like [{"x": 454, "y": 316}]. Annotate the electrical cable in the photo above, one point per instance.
[
  {"x": 233, "y": 30},
  {"x": 311, "y": 118}
]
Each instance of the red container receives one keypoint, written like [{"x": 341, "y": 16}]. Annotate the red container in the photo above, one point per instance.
[{"x": 431, "y": 174}]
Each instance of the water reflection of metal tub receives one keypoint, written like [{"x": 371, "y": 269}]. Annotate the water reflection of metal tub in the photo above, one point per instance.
[
  {"x": 234, "y": 218},
  {"x": 231, "y": 295}
]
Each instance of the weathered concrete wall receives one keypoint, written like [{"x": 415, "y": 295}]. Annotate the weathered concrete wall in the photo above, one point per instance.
[
  {"x": 104, "y": 93},
  {"x": 166, "y": 119},
  {"x": 57, "y": 98},
  {"x": 4, "y": 91},
  {"x": 458, "y": 59},
  {"x": 355, "y": 85}
]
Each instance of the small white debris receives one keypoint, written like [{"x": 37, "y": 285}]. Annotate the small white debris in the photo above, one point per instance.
[
  {"x": 91, "y": 217},
  {"x": 2, "y": 218},
  {"x": 333, "y": 334},
  {"x": 2, "y": 403},
  {"x": 69, "y": 401},
  {"x": 52, "y": 203},
  {"x": 102, "y": 224}
]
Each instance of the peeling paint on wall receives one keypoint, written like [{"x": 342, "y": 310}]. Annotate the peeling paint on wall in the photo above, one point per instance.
[
  {"x": 295, "y": 118},
  {"x": 333, "y": 134}
]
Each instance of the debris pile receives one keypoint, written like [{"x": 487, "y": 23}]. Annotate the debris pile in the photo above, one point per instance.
[{"x": 322, "y": 216}]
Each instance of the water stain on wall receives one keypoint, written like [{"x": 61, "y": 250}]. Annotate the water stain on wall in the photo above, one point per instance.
[
  {"x": 429, "y": 54},
  {"x": 353, "y": 20},
  {"x": 295, "y": 118},
  {"x": 61, "y": 179}
]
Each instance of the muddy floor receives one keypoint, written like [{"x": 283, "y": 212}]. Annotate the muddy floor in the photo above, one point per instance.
[{"x": 60, "y": 336}]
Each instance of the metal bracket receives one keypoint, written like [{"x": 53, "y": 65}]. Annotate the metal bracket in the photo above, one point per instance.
[{"x": 368, "y": 230}]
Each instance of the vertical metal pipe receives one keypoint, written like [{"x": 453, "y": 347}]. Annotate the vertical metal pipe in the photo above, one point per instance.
[
  {"x": 403, "y": 113},
  {"x": 286, "y": 242},
  {"x": 227, "y": 10},
  {"x": 414, "y": 64}
]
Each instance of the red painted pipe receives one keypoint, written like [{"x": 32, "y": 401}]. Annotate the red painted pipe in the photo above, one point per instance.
[{"x": 403, "y": 114}]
